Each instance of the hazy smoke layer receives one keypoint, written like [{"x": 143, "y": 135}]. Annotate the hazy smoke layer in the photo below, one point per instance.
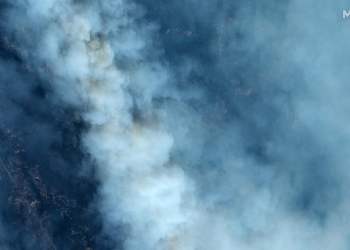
[
  {"x": 44, "y": 202},
  {"x": 207, "y": 124}
]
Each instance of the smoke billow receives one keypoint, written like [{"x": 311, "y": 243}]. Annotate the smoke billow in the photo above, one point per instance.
[{"x": 191, "y": 124}]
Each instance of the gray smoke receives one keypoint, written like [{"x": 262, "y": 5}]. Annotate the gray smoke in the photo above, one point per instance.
[{"x": 212, "y": 125}]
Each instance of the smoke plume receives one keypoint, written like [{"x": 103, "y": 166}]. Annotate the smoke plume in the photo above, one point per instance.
[{"x": 192, "y": 124}]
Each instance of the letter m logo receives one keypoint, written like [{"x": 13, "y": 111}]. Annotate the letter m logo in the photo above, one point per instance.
[{"x": 346, "y": 14}]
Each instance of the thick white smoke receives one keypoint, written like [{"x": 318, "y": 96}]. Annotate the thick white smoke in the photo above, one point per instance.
[
  {"x": 140, "y": 187},
  {"x": 100, "y": 58}
]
